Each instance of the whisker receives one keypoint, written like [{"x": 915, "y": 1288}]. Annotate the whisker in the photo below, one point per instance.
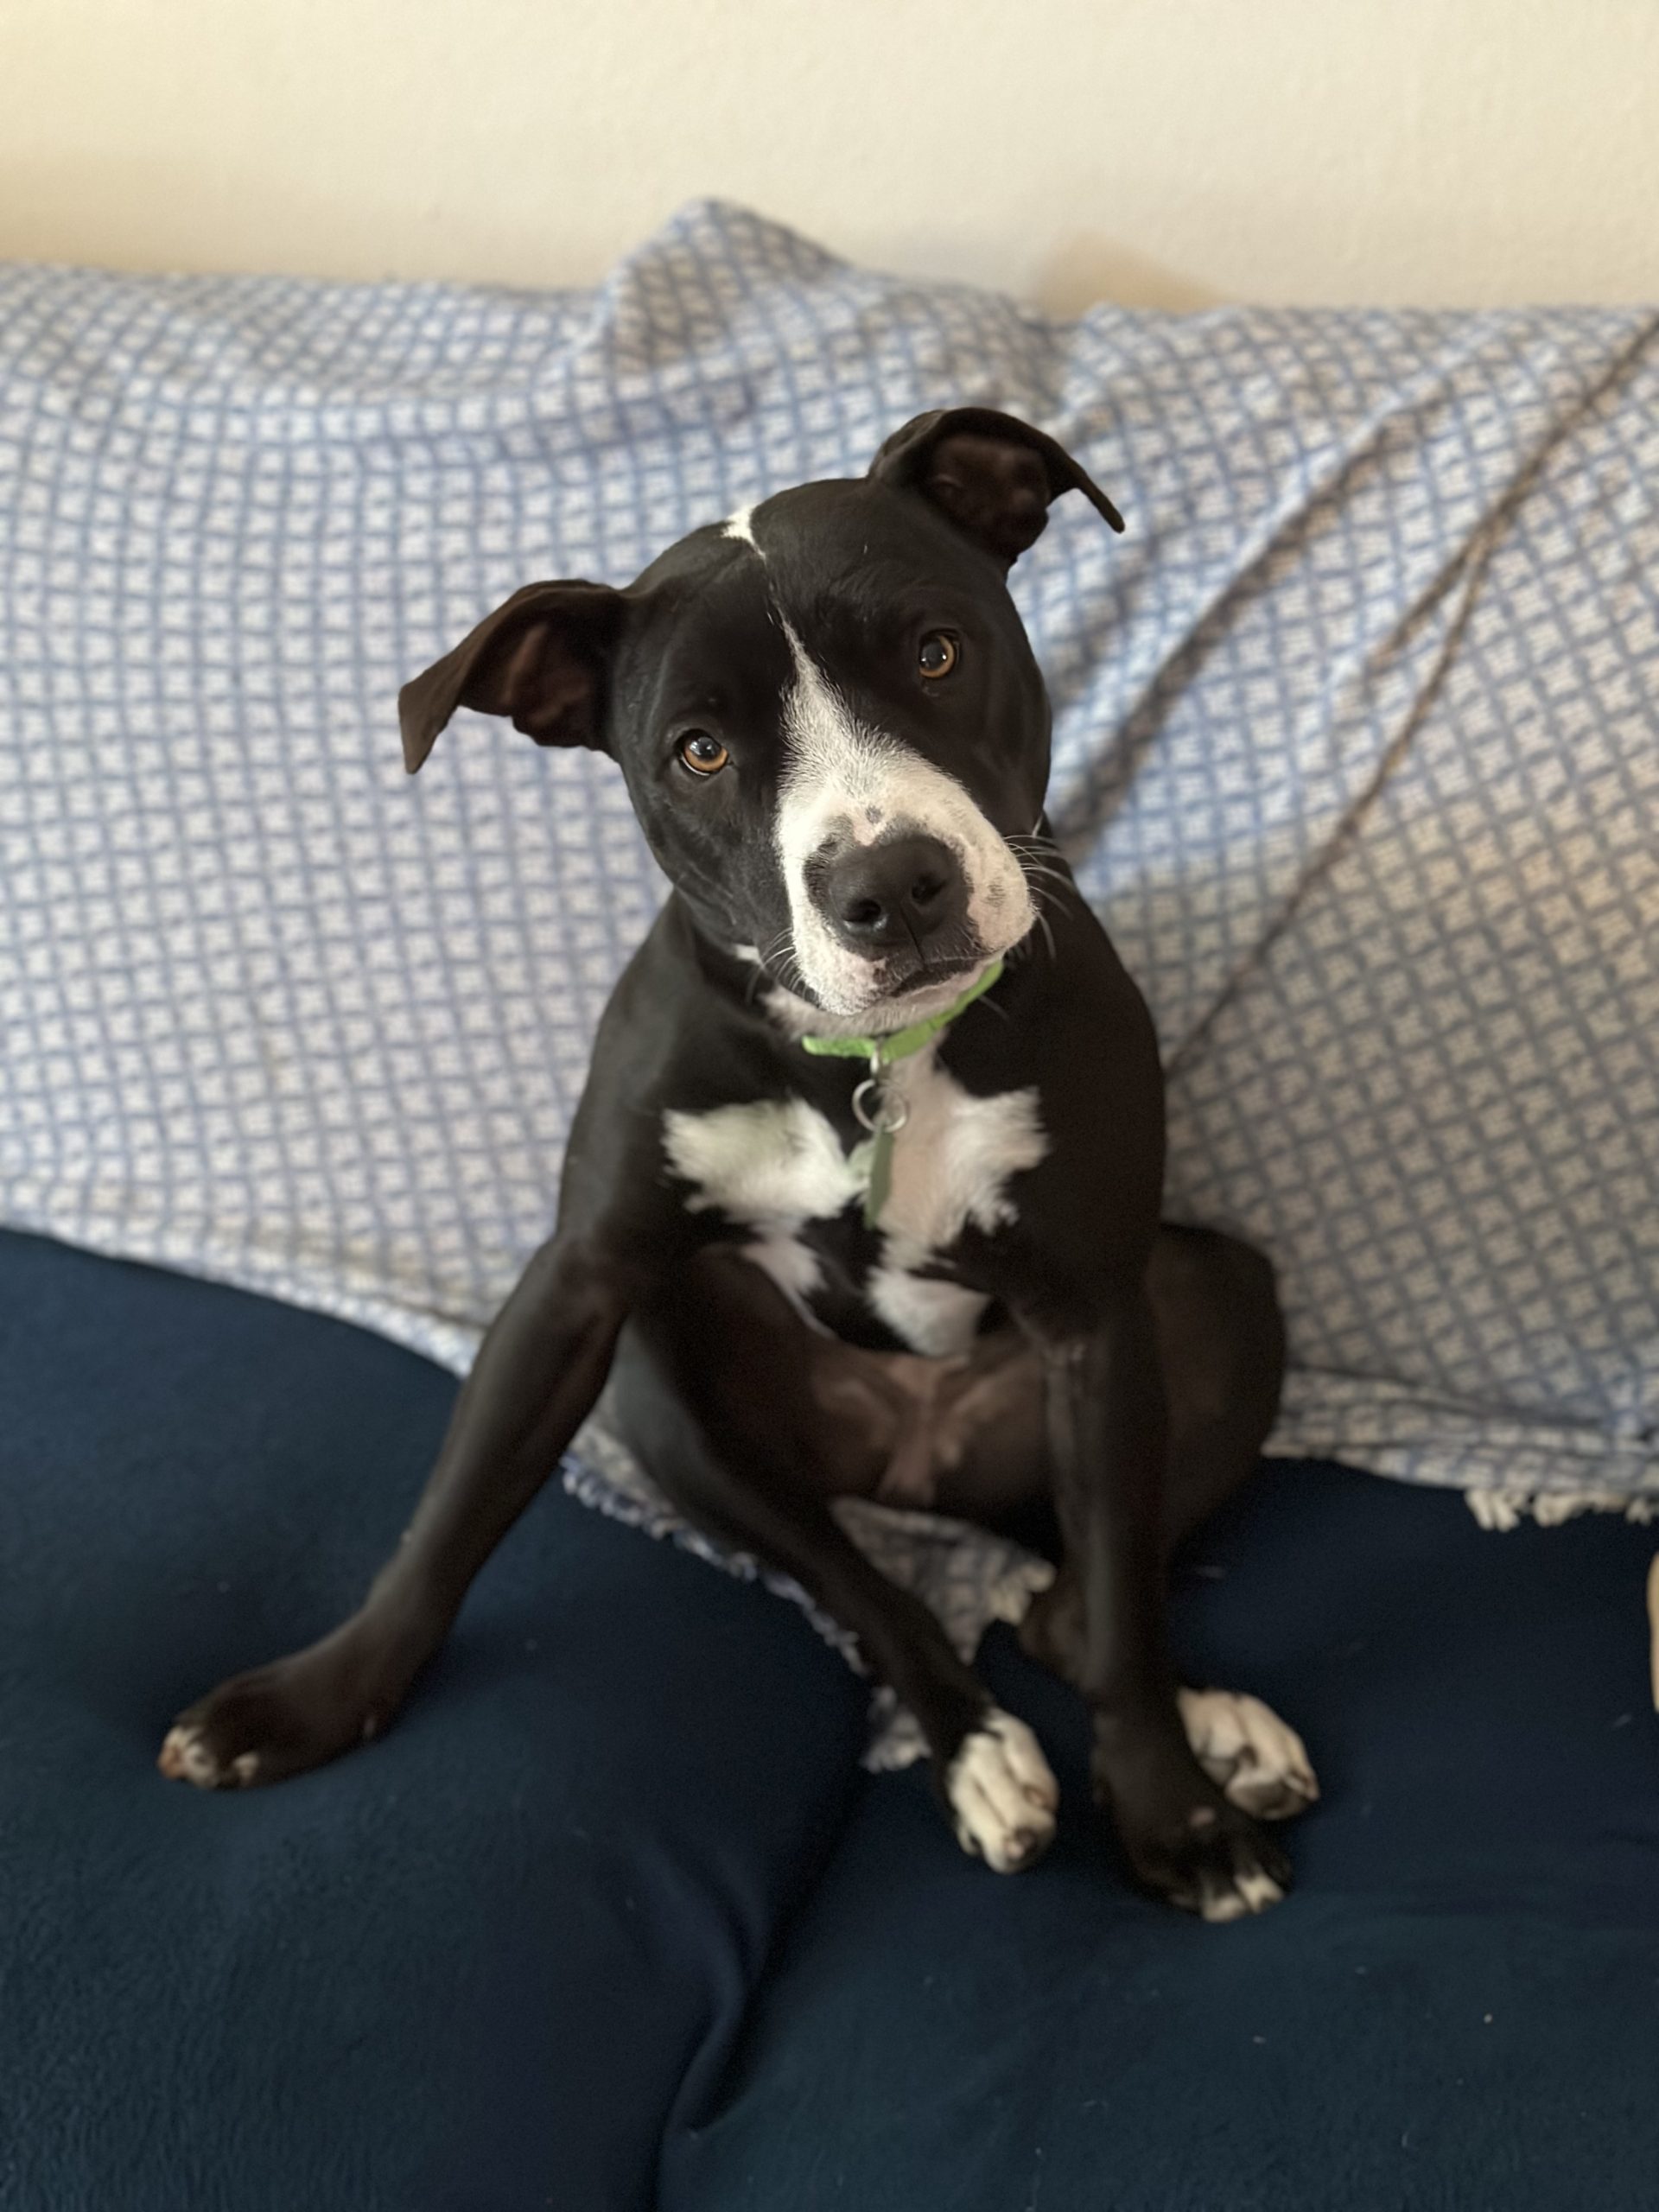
[
  {"x": 1039, "y": 881},
  {"x": 1031, "y": 848},
  {"x": 780, "y": 955}
]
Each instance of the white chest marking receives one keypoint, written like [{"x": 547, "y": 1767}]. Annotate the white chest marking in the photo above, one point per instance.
[
  {"x": 955, "y": 1154},
  {"x": 773, "y": 1162},
  {"x": 951, "y": 1167},
  {"x": 774, "y": 1166}
]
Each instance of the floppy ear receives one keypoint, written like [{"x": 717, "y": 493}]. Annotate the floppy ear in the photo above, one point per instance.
[
  {"x": 990, "y": 473},
  {"x": 541, "y": 657}
]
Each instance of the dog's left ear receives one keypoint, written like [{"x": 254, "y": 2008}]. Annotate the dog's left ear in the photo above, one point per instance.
[
  {"x": 541, "y": 660},
  {"x": 992, "y": 474}
]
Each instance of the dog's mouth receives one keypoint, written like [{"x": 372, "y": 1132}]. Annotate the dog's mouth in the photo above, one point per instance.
[
  {"x": 909, "y": 990},
  {"x": 929, "y": 974}
]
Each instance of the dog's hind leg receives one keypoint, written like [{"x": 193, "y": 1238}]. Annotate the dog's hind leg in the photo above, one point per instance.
[
  {"x": 1221, "y": 1349},
  {"x": 1220, "y": 1344}
]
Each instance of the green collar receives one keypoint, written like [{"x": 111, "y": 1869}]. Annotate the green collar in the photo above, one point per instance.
[{"x": 882, "y": 1051}]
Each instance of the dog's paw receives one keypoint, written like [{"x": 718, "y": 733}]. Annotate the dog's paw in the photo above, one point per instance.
[
  {"x": 188, "y": 1755},
  {"x": 1216, "y": 1864},
  {"x": 1001, "y": 1794},
  {"x": 279, "y": 1720},
  {"x": 1249, "y": 1753}
]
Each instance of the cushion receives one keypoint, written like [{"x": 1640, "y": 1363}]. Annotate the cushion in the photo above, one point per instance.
[
  {"x": 1457, "y": 2006},
  {"x": 476, "y": 1964},
  {"x": 1355, "y": 752}
]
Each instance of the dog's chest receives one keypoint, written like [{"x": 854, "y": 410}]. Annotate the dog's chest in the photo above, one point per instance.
[{"x": 778, "y": 1169}]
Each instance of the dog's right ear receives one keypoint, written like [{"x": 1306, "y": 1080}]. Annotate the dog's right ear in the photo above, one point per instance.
[{"x": 541, "y": 658}]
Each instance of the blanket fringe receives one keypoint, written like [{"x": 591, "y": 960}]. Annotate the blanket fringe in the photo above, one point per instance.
[
  {"x": 602, "y": 1473},
  {"x": 1503, "y": 1510}
]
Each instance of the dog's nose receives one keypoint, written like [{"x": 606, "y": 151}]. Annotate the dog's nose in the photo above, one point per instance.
[{"x": 881, "y": 896}]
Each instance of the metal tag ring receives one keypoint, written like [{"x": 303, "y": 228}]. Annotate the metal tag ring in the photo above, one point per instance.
[{"x": 879, "y": 1110}]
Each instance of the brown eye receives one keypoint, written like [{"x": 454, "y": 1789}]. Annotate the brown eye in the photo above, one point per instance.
[
  {"x": 702, "y": 754},
  {"x": 938, "y": 654}
]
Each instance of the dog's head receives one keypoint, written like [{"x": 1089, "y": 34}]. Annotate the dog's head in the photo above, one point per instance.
[{"x": 826, "y": 709}]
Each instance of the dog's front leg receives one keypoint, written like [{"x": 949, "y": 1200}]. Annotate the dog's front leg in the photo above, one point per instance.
[
  {"x": 987, "y": 1767},
  {"x": 537, "y": 1375},
  {"x": 1107, "y": 1444}
]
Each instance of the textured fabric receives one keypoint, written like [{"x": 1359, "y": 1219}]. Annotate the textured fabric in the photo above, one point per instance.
[
  {"x": 1356, "y": 754},
  {"x": 473, "y": 1967},
  {"x": 1456, "y": 2009}
]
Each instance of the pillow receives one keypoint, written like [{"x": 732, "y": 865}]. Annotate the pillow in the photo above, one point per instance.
[{"x": 1355, "y": 754}]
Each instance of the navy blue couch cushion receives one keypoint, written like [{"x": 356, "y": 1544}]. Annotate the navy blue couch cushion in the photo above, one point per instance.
[
  {"x": 614, "y": 1883},
  {"x": 1459, "y": 2008},
  {"x": 475, "y": 1965}
]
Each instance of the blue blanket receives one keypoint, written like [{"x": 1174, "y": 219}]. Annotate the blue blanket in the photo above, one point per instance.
[{"x": 1356, "y": 754}]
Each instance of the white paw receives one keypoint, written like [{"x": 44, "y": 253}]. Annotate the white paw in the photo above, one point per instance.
[
  {"x": 1247, "y": 1893},
  {"x": 1002, "y": 1794},
  {"x": 1249, "y": 1752},
  {"x": 184, "y": 1757}
]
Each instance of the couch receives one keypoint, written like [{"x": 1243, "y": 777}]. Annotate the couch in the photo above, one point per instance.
[{"x": 1354, "y": 752}]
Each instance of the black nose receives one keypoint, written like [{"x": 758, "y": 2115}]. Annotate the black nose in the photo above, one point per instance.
[{"x": 897, "y": 893}]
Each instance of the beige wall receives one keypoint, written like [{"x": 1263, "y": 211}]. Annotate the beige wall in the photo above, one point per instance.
[{"x": 1166, "y": 151}]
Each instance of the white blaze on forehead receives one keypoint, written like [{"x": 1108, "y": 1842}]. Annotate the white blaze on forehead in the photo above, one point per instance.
[
  {"x": 740, "y": 526},
  {"x": 843, "y": 783}
]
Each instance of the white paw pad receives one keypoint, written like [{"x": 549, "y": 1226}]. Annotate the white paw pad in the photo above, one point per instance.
[
  {"x": 1256, "y": 1761},
  {"x": 1002, "y": 1794}
]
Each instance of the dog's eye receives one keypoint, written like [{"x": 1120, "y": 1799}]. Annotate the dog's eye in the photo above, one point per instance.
[
  {"x": 702, "y": 754},
  {"x": 938, "y": 654}
]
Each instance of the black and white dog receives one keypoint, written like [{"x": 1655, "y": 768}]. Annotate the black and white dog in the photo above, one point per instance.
[{"x": 862, "y": 1197}]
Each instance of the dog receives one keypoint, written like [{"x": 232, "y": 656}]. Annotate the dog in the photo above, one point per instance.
[{"x": 863, "y": 1195}]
